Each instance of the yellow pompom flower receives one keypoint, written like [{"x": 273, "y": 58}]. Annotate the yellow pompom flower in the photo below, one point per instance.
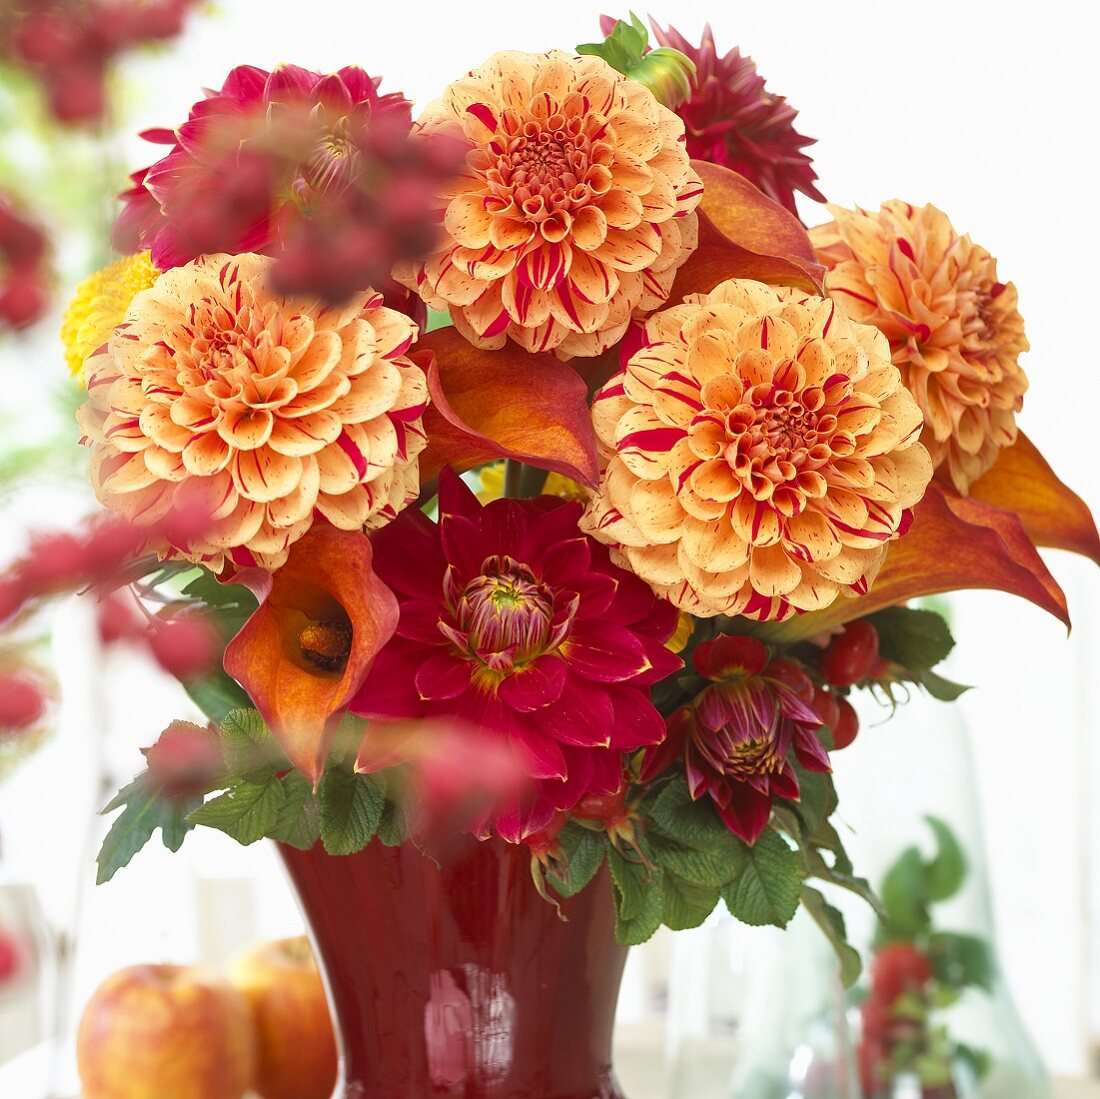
[{"x": 99, "y": 305}]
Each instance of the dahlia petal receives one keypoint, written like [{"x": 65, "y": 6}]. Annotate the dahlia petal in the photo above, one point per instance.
[
  {"x": 638, "y": 723},
  {"x": 582, "y": 716},
  {"x": 747, "y": 813},
  {"x": 539, "y": 684},
  {"x": 604, "y": 652},
  {"x": 442, "y": 676}
]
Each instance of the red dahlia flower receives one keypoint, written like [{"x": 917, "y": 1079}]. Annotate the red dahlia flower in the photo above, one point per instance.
[
  {"x": 514, "y": 621},
  {"x": 735, "y": 739},
  {"x": 733, "y": 120},
  {"x": 315, "y": 169}
]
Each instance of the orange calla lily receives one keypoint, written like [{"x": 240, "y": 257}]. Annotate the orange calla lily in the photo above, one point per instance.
[
  {"x": 1052, "y": 513},
  {"x": 305, "y": 651},
  {"x": 743, "y": 234},
  {"x": 955, "y": 543},
  {"x": 509, "y": 403}
]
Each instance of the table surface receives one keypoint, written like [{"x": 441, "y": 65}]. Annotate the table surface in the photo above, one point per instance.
[{"x": 640, "y": 1072}]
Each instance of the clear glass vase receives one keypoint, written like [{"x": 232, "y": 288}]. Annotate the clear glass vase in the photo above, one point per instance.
[{"x": 775, "y": 1022}]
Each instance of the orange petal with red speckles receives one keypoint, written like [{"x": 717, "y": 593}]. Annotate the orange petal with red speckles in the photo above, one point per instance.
[
  {"x": 328, "y": 577},
  {"x": 1051, "y": 512},
  {"x": 504, "y": 404}
]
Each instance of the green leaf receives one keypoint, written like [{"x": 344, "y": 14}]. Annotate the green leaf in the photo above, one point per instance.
[
  {"x": 298, "y": 824},
  {"x": 945, "y": 874},
  {"x": 228, "y": 605},
  {"x": 623, "y": 48},
  {"x": 687, "y": 904},
  {"x": 767, "y": 885},
  {"x": 247, "y": 744},
  {"x": 216, "y": 694},
  {"x": 584, "y": 850},
  {"x": 916, "y": 639},
  {"x": 639, "y": 902},
  {"x": 694, "y": 823},
  {"x": 938, "y": 687},
  {"x": 905, "y": 895},
  {"x": 144, "y": 810},
  {"x": 715, "y": 866},
  {"x": 247, "y": 811},
  {"x": 961, "y": 961},
  {"x": 351, "y": 809},
  {"x": 831, "y": 922},
  {"x": 393, "y": 828}
]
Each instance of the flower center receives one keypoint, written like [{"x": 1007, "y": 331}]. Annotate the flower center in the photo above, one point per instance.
[
  {"x": 504, "y": 617},
  {"x": 326, "y": 645}
]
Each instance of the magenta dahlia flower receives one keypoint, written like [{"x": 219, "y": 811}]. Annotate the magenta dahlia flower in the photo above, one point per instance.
[
  {"x": 733, "y": 120},
  {"x": 514, "y": 621},
  {"x": 736, "y": 738},
  {"x": 316, "y": 170}
]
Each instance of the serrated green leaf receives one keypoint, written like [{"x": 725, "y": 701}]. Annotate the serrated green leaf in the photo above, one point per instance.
[
  {"x": 228, "y": 606},
  {"x": 247, "y": 744},
  {"x": 637, "y": 920},
  {"x": 686, "y": 904},
  {"x": 945, "y": 874},
  {"x": 393, "y": 828},
  {"x": 624, "y": 47},
  {"x": 904, "y": 895},
  {"x": 351, "y": 809},
  {"x": 584, "y": 850},
  {"x": 693, "y": 823},
  {"x": 144, "y": 810},
  {"x": 767, "y": 885},
  {"x": 715, "y": 866},
  {"x": 831, "y": 922},
  {"x": 914, "y": 638},
  {"x": 961, "y": 961},
  {"x": 247, "y": 811},
  {"x": 633, "y": 882},
  {"x": 298, "y": 824}
]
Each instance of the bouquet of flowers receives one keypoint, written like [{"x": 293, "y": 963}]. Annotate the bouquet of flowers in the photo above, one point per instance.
[{"x": 529, "y": 470}]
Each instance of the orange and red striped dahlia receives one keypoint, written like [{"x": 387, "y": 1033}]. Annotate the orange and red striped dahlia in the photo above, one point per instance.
[
  {"x": 267, "y": 410},
  {"x": 574, "y": 211},
  {"x": 954, "y": 329},
  {"x": 761, "y": 453}
]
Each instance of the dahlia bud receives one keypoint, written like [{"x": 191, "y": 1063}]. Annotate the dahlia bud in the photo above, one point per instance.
[
  {"x": 665, "y": 71},
  {"x": 186, "y": 760}
]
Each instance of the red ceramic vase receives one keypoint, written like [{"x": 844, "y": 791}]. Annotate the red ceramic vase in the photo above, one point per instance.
[{"x": 455, "y": 978}]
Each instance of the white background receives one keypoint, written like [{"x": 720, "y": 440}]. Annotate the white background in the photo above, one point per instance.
[{"x": 987, "y": 110}]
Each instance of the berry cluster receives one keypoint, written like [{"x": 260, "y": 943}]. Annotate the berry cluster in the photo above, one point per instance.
[
  {"x": 23, "y": 276},
  {"x": 68, "y": 45},
  {"x": 93, "y": 560}
]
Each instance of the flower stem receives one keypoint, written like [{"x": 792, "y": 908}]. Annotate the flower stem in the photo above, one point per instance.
[{"x": 513, "y": 474}]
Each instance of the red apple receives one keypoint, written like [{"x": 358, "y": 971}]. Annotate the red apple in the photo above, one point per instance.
[
  {"x": 166, "y": 1032},
  {"x": 295, "y": 1040}
]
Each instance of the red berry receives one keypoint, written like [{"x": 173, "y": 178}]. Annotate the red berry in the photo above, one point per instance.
[
  {"x": 22, "y": 701},
  {"x": 118, "y": 620},
  {"x": 897, "y": 968},
  {"x": 185, "y": 760},
  {"x": 825, "y": 706},
  {"x": 850, "y": 658},
  {"x": 46, "y": 38},
  {"x": 22, "y": 301},
  {"x": 108, "y": 546},
  {"x": 184, "y": 647},
  {"x": 22, "y": 243},
  {"x": 78, "y": 92},
  {"x": 13, "y": 594},
  {"x": 54, "y": 562},
  {"x": 793, "y": 675},
  {"x": 847, "y": 725},
  {"x": 11, "y": 957}
]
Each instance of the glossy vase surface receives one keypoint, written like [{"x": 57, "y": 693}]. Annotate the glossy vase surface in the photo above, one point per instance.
[{"x": 452, "y": 977}]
